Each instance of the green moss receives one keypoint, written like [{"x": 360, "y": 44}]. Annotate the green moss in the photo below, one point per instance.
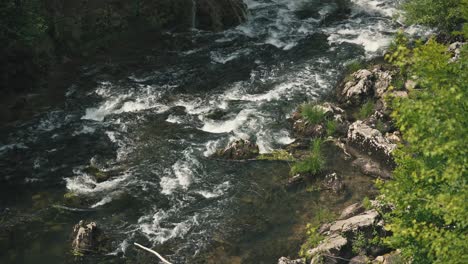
[
  {"x": 280, "y": 154},
  {"x": 98, "y": 174}
]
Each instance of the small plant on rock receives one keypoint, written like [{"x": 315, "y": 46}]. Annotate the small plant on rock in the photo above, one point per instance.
[
  {"x": 313, "y": 163},
  {"x": 366, "y": 110},
  {"x": 313, "y": 236},
  {"x": 312, "y": 113}
]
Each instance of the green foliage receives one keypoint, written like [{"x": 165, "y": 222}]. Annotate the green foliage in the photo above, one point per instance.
[
  {"x": 279, "y": 154},
  {"x": 363, "y": 243},
  {"x": 380, "y": 126},
  {"x": 313, "y": 237},
  {"x": 313, "y": 163},
  {"x": 312, "y": 113},
  {"x": 366, "y": 110},
  {"x": 429, "y": 191},
  {"x": 444, "y": 14},
  {"x": 21, "y": 21},
  {"x": 354, "y": 66},
  {"x": 366, "y": 202}
]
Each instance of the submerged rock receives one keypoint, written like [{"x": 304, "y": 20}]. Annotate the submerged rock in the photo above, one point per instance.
[
  {"x": 240, "y": 149},
  {"x": 334, "y": 182},
  {"x": 84, "y": 237},
  {"x": 371, "y": 168},
  {"x": 217, "y": 15}
]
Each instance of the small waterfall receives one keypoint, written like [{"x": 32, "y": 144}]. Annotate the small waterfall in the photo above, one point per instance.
[{"x": 194, "y": 15}]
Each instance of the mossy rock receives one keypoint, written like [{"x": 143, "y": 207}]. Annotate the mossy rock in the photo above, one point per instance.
[
  {"x": 99, "y": 175},
  {"x": 73, "y": 199}
]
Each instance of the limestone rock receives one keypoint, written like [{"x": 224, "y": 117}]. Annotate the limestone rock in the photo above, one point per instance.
[
  {"x": 332, "y": 245},
  {"x": 84, "y": 237},
  {"x": 370, "y": 139},
  {"x": 359, "y": 222},
  {"x": 382, "y": 82},
  {"x": 351, "y": 211},
  {"x": 240, "y": 149},
  {"x": 356, "y": 90}
]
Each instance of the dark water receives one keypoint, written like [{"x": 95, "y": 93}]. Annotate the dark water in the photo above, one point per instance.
[{"x": 155, "y": 125}]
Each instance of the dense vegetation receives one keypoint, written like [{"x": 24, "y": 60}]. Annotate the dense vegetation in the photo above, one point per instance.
[{"x": 428, "y": 189}]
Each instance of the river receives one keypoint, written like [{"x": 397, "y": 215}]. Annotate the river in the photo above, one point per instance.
[{"x": 155, "y": 127}]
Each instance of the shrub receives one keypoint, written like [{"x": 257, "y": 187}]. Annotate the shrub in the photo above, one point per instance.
[
  {"x": 428, "y": 190},
  {"x": 444, "y": 14},
  {"x": 312, "y": 113},
  {"x": 366, "y": 110},
  {"x": 313, "y": 163}
]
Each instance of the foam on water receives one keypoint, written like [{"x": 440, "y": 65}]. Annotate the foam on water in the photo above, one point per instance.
[{"x": 181, "y": 175}]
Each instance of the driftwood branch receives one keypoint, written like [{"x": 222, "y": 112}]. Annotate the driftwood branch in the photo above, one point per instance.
[{"x": 154, "y": 252}]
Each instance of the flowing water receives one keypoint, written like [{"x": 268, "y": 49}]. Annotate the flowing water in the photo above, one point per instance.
[{"x": 155, "y": 127}]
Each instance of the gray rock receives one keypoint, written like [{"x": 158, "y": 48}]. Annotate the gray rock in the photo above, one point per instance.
[
  {"x": 382, "y": 82},
  {"x": 355, "y": 223},
  {"x": 356, "y": 90},
  {"x": 370, "y": 139},
  {"x": 84, "y": 237},
  {"x": 332, "y": 245},
  {"x": 351, "y": 211},
  {"x": 284, "y": 260}
]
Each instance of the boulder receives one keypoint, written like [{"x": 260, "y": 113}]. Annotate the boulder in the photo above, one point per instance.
[
  {"x": 240, "y": 149},
  {"x": 357, "y": 90},
  {"x": 371, "y": 140},
  {"x": 333, "y": 245},
  {"x": 84, "y": 237},
  {"x": 217, "y": 15},
  {"x": 284, "y": 260},
  {"x": 355, "y": 223},
  {"x": 351, "y": 211}
]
